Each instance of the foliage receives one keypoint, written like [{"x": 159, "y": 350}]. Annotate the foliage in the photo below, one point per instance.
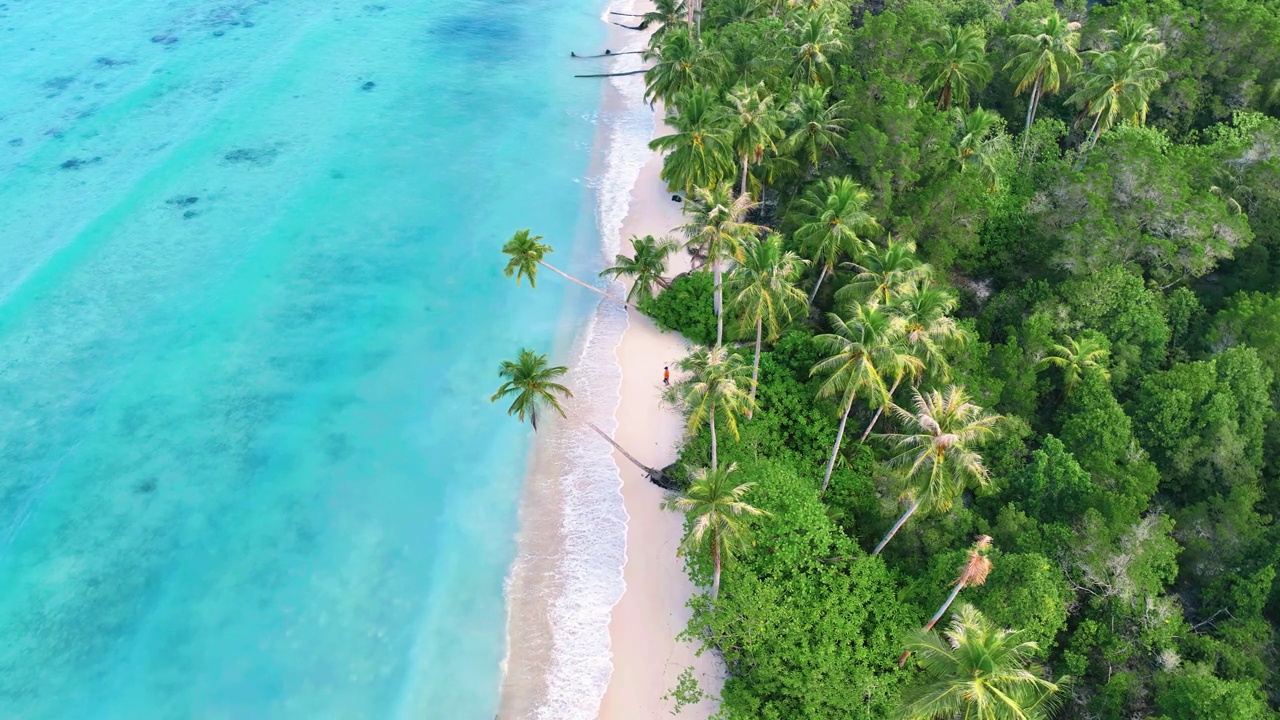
[{"x": 685, "y": 308}]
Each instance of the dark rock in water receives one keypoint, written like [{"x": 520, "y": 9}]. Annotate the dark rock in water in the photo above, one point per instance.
[
  {"x": 183, "y": 200},
  {"x": 111, "y": 62},
  {"x": 59, "y": 83},
  {"x": 255, "y": 156},
  {"x": 219, "y": 33},
  {"x": 607, "y": 51},
  {"x": 675, "y": 198},
  {"x": 369, "y": 85},
  {"x": 337, "y": 175},
  {"x": 247, "y": 23},
  {"x": 374, "y": 8},
  {"x": 16, "y": 142},
  {"x": 77, "y": 163},
  {"x": 164, "y": 39},
  {"x": 189, "y": 214},
  {"x": 146, "y": 486}
]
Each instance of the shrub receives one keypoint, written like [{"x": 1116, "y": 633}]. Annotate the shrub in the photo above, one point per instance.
[{"x": 685, "y": 307}]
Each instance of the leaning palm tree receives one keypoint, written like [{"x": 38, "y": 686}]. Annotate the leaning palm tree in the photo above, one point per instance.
[
  {"x": 1044, "y": 63},
  {"x": 666, "y": 16},
  {"x": 816, "y": 44},
  {"x": 714, "y": 388},
  {"x": 833, "y": 219},
  {"x": 700, "y": 151},
  {"x": 683, "y": 63},
  {"x": 762, "y": 291},
  {"x": 531, "y": 383},
  {"x": 974, "y": 571},
  {"x": 754, "y": 123},
  {"x": 1117, "y": 86},
  {"x": 1076, "y": 357},
  {"x": 929, "y": 334},
  {"x": 526, "y": 253},
  {"x": 957, "y": 64},
  {"x": 646, "y": 266},
  {"x": 976, "y": 670},
  {"x": 716, "y": 509},
  {"x": 937, "y": 453},
  {"x": 861, "y": 351},
  {"x": 717, "y": 228},
  {"x": 980, "y": 143},
  {"x": 883, "y": 271},
  {"x": 816, "y": 126}
]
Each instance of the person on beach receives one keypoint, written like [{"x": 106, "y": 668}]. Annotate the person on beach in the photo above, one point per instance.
[{"x": 666, "y": 375}]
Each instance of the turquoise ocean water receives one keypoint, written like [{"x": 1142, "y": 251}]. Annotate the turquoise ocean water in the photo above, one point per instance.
[{"x": 251, "y": 310}]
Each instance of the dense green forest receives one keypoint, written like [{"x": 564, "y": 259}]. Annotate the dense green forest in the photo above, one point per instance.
[{"x": 1000, "y": 334}]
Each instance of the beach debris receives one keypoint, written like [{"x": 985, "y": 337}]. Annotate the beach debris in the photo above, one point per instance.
[
  {"x": 368, "y": 86},
  {"x": 164, "y": 39},
  {"x": 77, "y": 163}
]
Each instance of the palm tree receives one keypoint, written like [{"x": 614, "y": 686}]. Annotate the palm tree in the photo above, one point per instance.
[
  {"x": 531, "y": 380},
  {"x": 815, "y": 45},
  {"x": 754, "y": 124},
  {"x": 937, "y": 453},
  {"x": 526, "y": 254},
  {"x": 762, "y": 288},
  {"x": 930, "y": 332},
  {"x": 666, "y": 15},
  {"x": 833, "y": 214},
  {"x": 1044, "y": 63},
  {"x": 980, "y": 144},
  {"x": 957, "y": 63},
  {"x": 861, "y": 352},
  {"x": 976, "y": 670},
  {"x": 882, "y": 272},
  {"x": 714, "y": 387},
  {"x": 645, "y": 267},
  {"x": 816, "y": 126},
  {"x": 1117, "y": 85},
  {"x": 683, "y": 64},
  {"x": 717, "y": 228},
  {"x": 716, "y": 509},
  {"x": 700, "y": 151},
  {"x": 1076, "y": 357}
]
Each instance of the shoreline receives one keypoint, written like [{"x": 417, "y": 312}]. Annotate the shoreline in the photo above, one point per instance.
[{"x": 596, "y": 594}]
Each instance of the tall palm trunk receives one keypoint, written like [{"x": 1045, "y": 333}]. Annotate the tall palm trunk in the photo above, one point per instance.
[
  {"x": 1096, "y": 131},
  {"x": 897, "y": 526},
  {"x": 715, "y": 560},
  {"x": 644, "y": 468},
  {"x": 944, "y": 99},
  {"x": 715, "y": 460},
  {"x": 1031, "y": 116},
  {"x": 755, "y": 366},
  {"x": 821, "y": 276},
  {"x": 715, "y": 269},
  {"x": 835, "y": 449},
  {"x": 592, "y": 288},
  {"x": 879, "y": 410},
  {"x": 902, "y": 659},
  {"x": 743, "y": 186}
]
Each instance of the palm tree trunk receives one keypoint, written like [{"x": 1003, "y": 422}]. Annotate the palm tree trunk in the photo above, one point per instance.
[
  {"x": 1031, "y": 117},
  {"x": 743, "y": 187},
  {"x": 879, "y": 410},
  {"x": 950, "y": 599},
  {"x": 715, "y": 574},
  {"x": 644, "y": 468},
  {"x": 902, "y": 659},
  {"x": 896, "y": 527},
  {"x": 715, "y": 460},
  {"x": 592, "y": 288},
  {"x": 821, "y": 276},
  {"x": 755, "y": 366},
  {"x": 715, "y": 269},
  {"x": 835, "y": 449}
]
